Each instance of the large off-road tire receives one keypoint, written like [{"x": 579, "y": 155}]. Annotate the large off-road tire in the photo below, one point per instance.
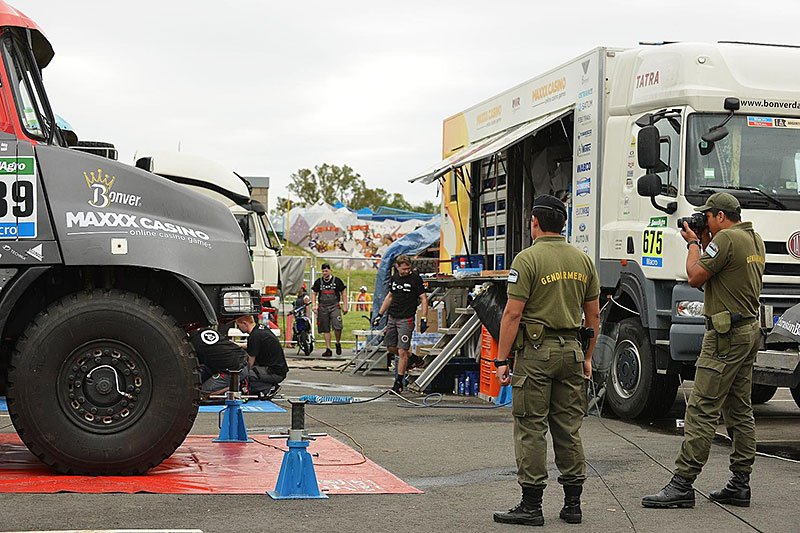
[
  {"x": 796, "y": 395},
  {"x": 103, "y": 383},
  {"x": 762, "y": 393},
  {"x": 634, "y": 389}
]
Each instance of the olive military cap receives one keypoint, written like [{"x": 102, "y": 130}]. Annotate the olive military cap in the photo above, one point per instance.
[{"x": 723, "y": 201}]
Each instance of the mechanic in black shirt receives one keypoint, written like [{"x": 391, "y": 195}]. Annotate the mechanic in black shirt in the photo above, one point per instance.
[
  {"x": 405, "y": 290},
  {"x": 217, "y": 355},
  {"x": 267, "y": 363}
]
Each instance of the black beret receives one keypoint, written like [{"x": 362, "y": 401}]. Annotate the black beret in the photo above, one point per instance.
[{"x": 551, "y": 203}]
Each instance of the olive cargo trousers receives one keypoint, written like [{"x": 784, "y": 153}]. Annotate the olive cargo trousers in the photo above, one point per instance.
[
  {"x": 722, "y": 383},
  {"x": 548, "y": 390}
]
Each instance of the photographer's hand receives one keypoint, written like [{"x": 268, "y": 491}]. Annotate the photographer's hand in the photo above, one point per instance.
[{"x": 688, "y": 234}]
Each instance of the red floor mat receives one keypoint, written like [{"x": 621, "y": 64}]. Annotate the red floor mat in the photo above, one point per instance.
[{"x": 201, "y": 466}]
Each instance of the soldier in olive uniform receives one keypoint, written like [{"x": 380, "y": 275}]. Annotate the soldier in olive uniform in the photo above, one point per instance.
[
  {"x": 731, "y": 267},
  {"x": 549, "y": 284}
]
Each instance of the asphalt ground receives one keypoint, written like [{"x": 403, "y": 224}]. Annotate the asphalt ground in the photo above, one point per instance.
[{"x": 464, "y": 461}]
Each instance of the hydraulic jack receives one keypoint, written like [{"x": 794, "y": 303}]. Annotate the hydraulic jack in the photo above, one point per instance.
[
  {"x": 297, "y": 479},
  {"x": 231, "y": 419}
]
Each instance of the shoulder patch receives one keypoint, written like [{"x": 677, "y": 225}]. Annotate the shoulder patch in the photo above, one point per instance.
[
  {"x": 513, "y": 276},
  {"x": 712, "y": 250}
]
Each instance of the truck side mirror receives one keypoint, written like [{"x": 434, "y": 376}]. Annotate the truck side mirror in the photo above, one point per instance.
[
  {"x": 649, "y": 185},
  {"x": 648, "y": 147}
]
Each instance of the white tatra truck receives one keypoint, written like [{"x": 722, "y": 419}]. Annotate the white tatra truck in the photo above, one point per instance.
[{"x": 632, "y": 140}]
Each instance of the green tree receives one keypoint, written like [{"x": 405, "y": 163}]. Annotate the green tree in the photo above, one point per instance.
[
  {"x": 426, "y": 207},
  {"x": 330, "y": 183}
]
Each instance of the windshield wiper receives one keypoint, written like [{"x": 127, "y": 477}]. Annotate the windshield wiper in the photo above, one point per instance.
[{"x": 772, "y": 199}]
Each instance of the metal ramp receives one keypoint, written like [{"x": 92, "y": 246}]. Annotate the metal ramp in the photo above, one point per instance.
[
  {"x": 371, "y": 355},
  {"x": 456, "y": 336}
]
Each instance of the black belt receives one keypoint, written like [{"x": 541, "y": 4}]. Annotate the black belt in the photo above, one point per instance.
[
  {"x": 560, "y": 332},
  {"x": 737, "y": 320}
]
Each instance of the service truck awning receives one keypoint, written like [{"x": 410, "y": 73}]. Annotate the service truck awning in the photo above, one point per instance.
[{"x": 488, "y": 146}]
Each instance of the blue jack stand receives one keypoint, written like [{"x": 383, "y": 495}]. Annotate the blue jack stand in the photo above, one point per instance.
[
  {"x": 504, "y": 397},
  {"x": 231, "y": 425},
  {"x": 297, "y": 479}
]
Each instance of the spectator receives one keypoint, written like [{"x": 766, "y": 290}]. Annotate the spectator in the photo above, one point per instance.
[
  {"x": 267, "y": 366},
  {"x": 217, "y": 355},
  {"x": 327, "y": 292},
  {"x": 363, "y": 299}
]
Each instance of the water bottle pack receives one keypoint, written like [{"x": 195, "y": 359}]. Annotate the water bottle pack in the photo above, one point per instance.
[{"x": 467, "y": 384}]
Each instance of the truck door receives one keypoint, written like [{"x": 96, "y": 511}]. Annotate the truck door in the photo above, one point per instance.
[{"x": 25, "y": 231}]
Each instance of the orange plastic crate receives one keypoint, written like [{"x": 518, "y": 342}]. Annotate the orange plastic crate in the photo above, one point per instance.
[{"x": 489, "y": 385}]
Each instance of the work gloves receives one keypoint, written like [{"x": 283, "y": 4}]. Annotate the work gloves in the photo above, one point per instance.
[{"x": 376, "y": 322}]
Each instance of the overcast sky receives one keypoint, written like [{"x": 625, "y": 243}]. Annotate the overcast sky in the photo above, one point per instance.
[{"x": 269, "y": 87}]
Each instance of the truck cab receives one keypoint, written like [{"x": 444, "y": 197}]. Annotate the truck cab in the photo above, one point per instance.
[{"x": 104, "y": 270}]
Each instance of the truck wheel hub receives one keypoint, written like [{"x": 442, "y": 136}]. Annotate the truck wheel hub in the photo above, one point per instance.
[
  {"x": 627, "y": 369},
  {"x": 104, "y": 386}
]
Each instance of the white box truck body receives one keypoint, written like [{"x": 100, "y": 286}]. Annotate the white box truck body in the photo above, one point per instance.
[{"x": 573, "y": 132}]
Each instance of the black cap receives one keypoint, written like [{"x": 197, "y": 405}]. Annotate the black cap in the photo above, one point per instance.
[{"x": 551, "y": 203}]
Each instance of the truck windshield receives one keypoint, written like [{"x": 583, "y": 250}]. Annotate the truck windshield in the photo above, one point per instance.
[
  {"x": 759, "y": 152},
  {"x": 28, "y": 91}
]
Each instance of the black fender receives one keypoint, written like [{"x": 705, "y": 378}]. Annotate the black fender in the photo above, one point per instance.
[
  {"x": 16, "y": 288},
  {"x": 202, "y": 298}
]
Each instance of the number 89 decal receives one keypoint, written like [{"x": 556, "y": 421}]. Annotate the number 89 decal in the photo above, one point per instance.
[
  {"x": 17, "y": 197},
  {"x": 652, "y": 248}
]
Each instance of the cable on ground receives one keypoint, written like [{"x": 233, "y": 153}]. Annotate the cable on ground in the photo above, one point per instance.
[{"x": 659, "y": 463}]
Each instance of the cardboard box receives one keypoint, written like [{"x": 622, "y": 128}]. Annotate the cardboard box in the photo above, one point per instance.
[{"x": 437, "y": 318}]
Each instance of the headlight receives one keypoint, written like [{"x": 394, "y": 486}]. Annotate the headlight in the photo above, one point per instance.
[
  {"x": 688, "y": 308},
  {"x": 239, "y": 302}
]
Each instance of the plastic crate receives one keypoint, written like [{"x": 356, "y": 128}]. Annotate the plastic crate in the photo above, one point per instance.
[{"x": 490, "y": 388}]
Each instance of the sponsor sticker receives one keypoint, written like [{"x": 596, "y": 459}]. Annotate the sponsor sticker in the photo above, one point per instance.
[
  {"x": 513, "y": 276},
  {"x": 584, "y": 186},
  {"x": 657, "y": 222},
  {"x": 760, "y": 122},
  {"x": 133, "y": 225},
  {"x": 18, "y": 197},
  {"x": 35, "y": 252},
  {"x": 100, "y": 184},
  {"x": 209, "y": 337},
  {"x": 581, "y": 210}
]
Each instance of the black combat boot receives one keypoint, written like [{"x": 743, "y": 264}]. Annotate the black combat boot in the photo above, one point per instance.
[
  {"x": 735, "y": 492},
  {"x": 571, "y": 512},
  {"x": 677, "y": 493},
  {"x": 529, "y": 510}
]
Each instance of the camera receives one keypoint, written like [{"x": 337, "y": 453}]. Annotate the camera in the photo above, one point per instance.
[{"x": 696, "y": 222}]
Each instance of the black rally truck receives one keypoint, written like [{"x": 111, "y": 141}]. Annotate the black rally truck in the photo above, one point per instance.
[{"x": 103, "y": 269}]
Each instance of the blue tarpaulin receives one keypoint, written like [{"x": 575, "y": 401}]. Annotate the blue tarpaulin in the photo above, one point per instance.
[{"x": 409, "y": 244}]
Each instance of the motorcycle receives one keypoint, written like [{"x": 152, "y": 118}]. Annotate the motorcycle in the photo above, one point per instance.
[{"x": 301, "y": 331}]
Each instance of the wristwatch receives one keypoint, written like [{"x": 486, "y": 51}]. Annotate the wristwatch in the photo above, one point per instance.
[
  {"x": 688, "y": 244},
  {"x": 500, "y": 362}
]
